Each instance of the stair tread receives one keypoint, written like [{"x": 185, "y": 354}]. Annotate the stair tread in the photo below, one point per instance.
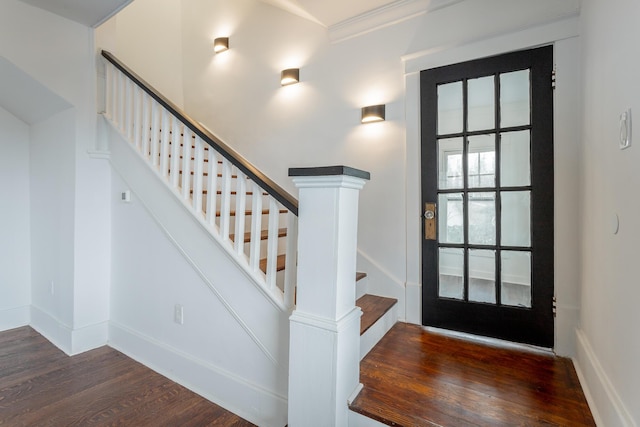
[
  {"x": 360, "y": 275},
  {"x": 373, "y": 308},
  {"x": 249, "y": 212},
  {"x": 264, "y": 235},
  {"x": 280, "y": 262}
]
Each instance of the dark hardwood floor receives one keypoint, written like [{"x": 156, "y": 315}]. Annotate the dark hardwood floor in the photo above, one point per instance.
[
  {"x": 414, "y": 377},
  {"x": 42, "y": 386}
]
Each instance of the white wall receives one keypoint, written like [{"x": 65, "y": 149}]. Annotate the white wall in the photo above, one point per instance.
[
  {"x": 609, "y": 344},
  {"x": 15, "y": 244},
  {"x": 148, "y": 33},
  {"x": 59, "y": 55},
  {"x": 52, "y": 222}
]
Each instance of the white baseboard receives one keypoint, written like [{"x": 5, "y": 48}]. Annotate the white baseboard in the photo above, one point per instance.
[
  {"x": 605, "y": 403},
  {"x": 215, "y": 384},
  {"x": 71, "y": 341},
  {"x": 14, "y": 317}
]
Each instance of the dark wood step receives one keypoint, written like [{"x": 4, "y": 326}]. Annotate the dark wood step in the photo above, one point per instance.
[
  {"x": 280, "y": 263},
  {"x": 373, "y": 308},
  {"x": 416, "y": 377},
  {"x": 264, "y": 235},
  {"x": 248, "y": 212}
]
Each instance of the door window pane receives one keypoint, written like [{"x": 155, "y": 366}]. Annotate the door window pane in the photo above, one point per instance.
[
  {"x": 482, "y": 276},
  {"x": 516, "y": 279},
  {"x": 482, "y": 218},
  {"x": 450, "y": 117},
  {"x": 516, "y": 218},
  {"x": 450, "y": 173},
  {"x": 450, "y": 218},
  {"x": 451, "y": 273},
  {"x": 481, "y": 161},
  {"x": 514, "y": 99},
  {"x": 515, "y": 158},
  {"x": 481, "y": 104}
]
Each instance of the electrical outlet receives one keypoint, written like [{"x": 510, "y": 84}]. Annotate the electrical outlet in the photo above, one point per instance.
[{"x": 178, "y": 314}]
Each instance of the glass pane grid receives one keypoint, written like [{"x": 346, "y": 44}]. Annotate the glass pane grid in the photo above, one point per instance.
[{"x": 484, "y": 185}]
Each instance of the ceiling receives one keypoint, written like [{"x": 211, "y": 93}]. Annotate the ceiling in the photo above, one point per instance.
[{"x": 87, "y": 12}]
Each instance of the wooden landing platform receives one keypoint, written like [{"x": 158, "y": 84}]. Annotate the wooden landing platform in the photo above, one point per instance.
[
  {"x": 42, "y": 386},
  {"x": 414, "y": 377}
]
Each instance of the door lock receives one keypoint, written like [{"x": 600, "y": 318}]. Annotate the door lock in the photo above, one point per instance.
[{"x": 430, "y": 221}]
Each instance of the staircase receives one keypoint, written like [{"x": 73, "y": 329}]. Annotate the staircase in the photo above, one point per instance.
[{"x": 246, "y": 212}]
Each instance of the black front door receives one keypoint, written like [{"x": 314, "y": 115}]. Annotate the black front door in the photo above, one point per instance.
[{"x": 487, "y": 193}]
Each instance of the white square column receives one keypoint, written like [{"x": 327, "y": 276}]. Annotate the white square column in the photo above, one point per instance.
[{"x": 324, "y": 353}]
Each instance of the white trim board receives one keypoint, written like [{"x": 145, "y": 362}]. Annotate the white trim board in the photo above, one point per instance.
[{"x": 605, "y": 403}]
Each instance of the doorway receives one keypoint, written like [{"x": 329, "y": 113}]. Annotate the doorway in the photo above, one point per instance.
[{"x": 487, "y": 194}]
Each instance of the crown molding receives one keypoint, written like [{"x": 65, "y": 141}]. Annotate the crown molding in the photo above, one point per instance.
[{"x": 384, "y": 16}]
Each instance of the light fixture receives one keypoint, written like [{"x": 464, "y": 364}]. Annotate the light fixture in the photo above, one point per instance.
[
  {"x": 290, "y": 76},
  {"x": 220, "y": 44},
  {"x": 373, "y": 113}
]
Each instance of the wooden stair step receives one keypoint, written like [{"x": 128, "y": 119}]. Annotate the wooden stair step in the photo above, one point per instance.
[
  {"x": 248, "y": 212},
  {"x": 360, "y": 275},
  {"x": 233, "y": 193},
  {"x": 280, "y": 263},
  {"x": 264, "y": 235},
  {"x": 373, "y": 308}
]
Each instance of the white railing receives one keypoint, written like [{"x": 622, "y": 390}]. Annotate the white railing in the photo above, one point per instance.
[{"x": 253, "y": 218}]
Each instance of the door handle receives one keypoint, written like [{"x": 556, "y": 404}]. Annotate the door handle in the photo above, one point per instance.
[{"x": 430, "y": 221}]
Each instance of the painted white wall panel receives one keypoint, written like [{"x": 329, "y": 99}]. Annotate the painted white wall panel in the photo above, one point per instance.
[
  {"x": 610, "y": 344},
  {"x": 15, "y": 242}
]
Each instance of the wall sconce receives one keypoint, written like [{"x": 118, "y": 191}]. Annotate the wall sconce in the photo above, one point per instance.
[
  {"x": 373, "y": 113},
  {"x": 220, "y": 44},
  {"x": 290, "y": 76}
]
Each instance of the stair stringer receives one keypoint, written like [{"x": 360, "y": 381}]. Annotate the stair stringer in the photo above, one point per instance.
[{"x": 261, "y": 395}]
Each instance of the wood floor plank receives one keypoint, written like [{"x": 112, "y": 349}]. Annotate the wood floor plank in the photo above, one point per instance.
[
  {"x": 102, "y": 387},
  {"x": 419, "y": 378}
]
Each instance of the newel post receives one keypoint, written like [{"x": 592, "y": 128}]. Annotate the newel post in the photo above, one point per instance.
[{"x": 324, "y": 351}]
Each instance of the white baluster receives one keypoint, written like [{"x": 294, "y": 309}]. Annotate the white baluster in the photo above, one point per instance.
[
  {"x": 186, "y": 162},
  {"x": 137, "y": 105},
  {"x": 155, "y": 129},
  {"x": 291, "y": 255},
  {"x": 146, "y": 124},
  {"x": 121, "y": 102},
  {"x": 241, "y": 190},
  {"x": 165, "y": 129},
  {"x": 108, "y": 102},
  {"x": 212, "y": 186},
  {"x": 256, "y": 228},
  {"x": 176, "y": 140},
  {"x": 225, "y": 200},
  {"x": 128, "y": 109},
  {"x": 198, "y": 170},
  {"x": 272, "y": 243}
]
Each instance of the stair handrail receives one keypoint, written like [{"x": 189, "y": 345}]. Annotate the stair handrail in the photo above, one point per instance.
[{"x": 267, "y": 184}]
